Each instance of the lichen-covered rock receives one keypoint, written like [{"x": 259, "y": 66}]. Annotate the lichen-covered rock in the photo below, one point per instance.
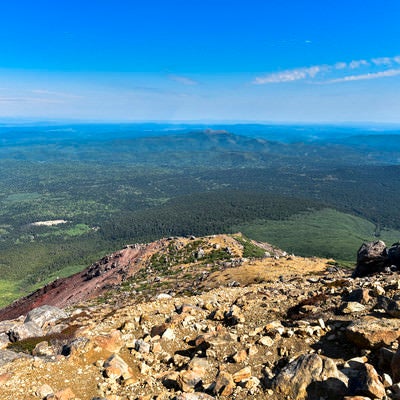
[
  {"x": 25, "y": 331},
  {"x": 371, "y": 332},
  {"x": 188, "y": 380},
  {"x": 45, "y": 315},
  {"x": 4, "y": 340},
  {"x": 371, "y": 258},
  {"x": 7, "y": 356},
  {"x": 311, "y": 375}
]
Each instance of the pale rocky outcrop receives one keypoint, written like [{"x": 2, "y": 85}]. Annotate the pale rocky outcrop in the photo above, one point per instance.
[
  {"x": 371, "y": 332},
  {"x": 310, "y": 376},
  {"x": 45, "y": 315},
  {"x": 304, "y": 335}
]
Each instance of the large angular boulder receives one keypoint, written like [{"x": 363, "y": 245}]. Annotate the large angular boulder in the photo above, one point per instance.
[
  {"x": 311, "y": 376},
  {"x": 365, "y": 381},
  {"x": 394, "y": 255},
  {"x": 45, "y": 315},
  {"x": 7, "y": 356},
  {"x": 25, "y": 331},
  {"x": 115, "y": 368},
  {"x": 395, "y": 366},
  {"x": 391, "y": 306},
  {"x": 371, "y": 333},
  {"x": 372, "y": 258}
]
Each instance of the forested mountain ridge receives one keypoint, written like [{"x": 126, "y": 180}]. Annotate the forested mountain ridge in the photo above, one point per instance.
[{"x": 115, "y": 184}]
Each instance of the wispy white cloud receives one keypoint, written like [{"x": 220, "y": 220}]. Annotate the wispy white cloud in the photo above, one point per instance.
[
  {"x": 290, "y": 75},
  {"x": 4, "y": 99},
  {"x": 383, "y": 61},
  {"x": 304, "y": 73},
  {"x": 184, "y": 80},
  {"x": 340, "y": 65},
  {"x": 358, "y": 63},
  {"x": 363, "y": 77},
  {"x": 24, "y": 99},
  {"x": 56, "y": 94}
]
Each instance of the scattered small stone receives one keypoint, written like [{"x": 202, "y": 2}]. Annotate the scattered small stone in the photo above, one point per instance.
[
  {"x": 240, "y": 356},
  {"x": 266, "y": 341},
  {"x": 163, "y": 296},
  {"x": 169, "y": 334},
  {"x": 65, "y": 394},
  {"x": 44, "y": 391},
  {"x": 224, "y": 384},
  {"x": 242, "y": 375},
  {"x": 352, "y": 307},
  {"x": 141, "y": 346},
  {"x": 115, "y": 367}
]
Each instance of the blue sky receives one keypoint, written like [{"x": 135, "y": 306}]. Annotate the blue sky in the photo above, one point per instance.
[{"x": 200, "y": 60}]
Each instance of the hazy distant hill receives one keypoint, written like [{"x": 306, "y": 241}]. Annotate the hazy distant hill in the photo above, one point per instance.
[{"x": 115, "y": 184}]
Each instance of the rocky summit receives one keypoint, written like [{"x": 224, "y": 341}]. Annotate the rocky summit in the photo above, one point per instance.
[{"x": 206, "y": 318}]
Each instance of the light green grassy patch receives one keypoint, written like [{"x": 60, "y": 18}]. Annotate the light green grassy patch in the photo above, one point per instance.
[
  {"x": 324, "y": 233},
  {"x": 77, "y": 230},
  {"x": 8, "y": 292},
  {"x": 63, "y": 273}
]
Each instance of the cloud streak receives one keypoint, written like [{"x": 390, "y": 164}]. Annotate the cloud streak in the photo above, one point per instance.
[
  {"x": 184, "y": 80},
  {"x": 304, "y": 73},
  {"x": 290, "y": 75},
  {"x": 23, "y": 99},
  {"x": 369, "y": 76},
  {"x": 56, "y": 94}
]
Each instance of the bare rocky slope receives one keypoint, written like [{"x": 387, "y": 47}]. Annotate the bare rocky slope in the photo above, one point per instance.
[{"x": 205, "y": 318}]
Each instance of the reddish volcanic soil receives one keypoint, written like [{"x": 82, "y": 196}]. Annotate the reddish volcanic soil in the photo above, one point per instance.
[{"x": 90, "y": 283}]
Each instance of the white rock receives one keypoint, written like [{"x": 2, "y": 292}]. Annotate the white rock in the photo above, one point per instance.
[
  {"x": 266, "y": 341},
  {"x": 169, "y": 334},
  {"x": 163, "y": 296}
]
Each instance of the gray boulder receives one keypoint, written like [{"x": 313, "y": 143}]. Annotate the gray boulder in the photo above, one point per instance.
[
  {"x": 25, "y": 331},
  {"x": 7, "y": 356},
  {"x": 4, "y": 340},
  {"x": 45, "y": 315},
  {"x": 394, "y": 255},
  {"x": 391, "y": 306},
  {"x": 309, "y": 377},
  {"x": 372, "y": 258}
]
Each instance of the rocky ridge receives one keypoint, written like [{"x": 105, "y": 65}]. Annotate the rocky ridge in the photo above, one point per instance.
[{"x": 276, "y": 326}]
